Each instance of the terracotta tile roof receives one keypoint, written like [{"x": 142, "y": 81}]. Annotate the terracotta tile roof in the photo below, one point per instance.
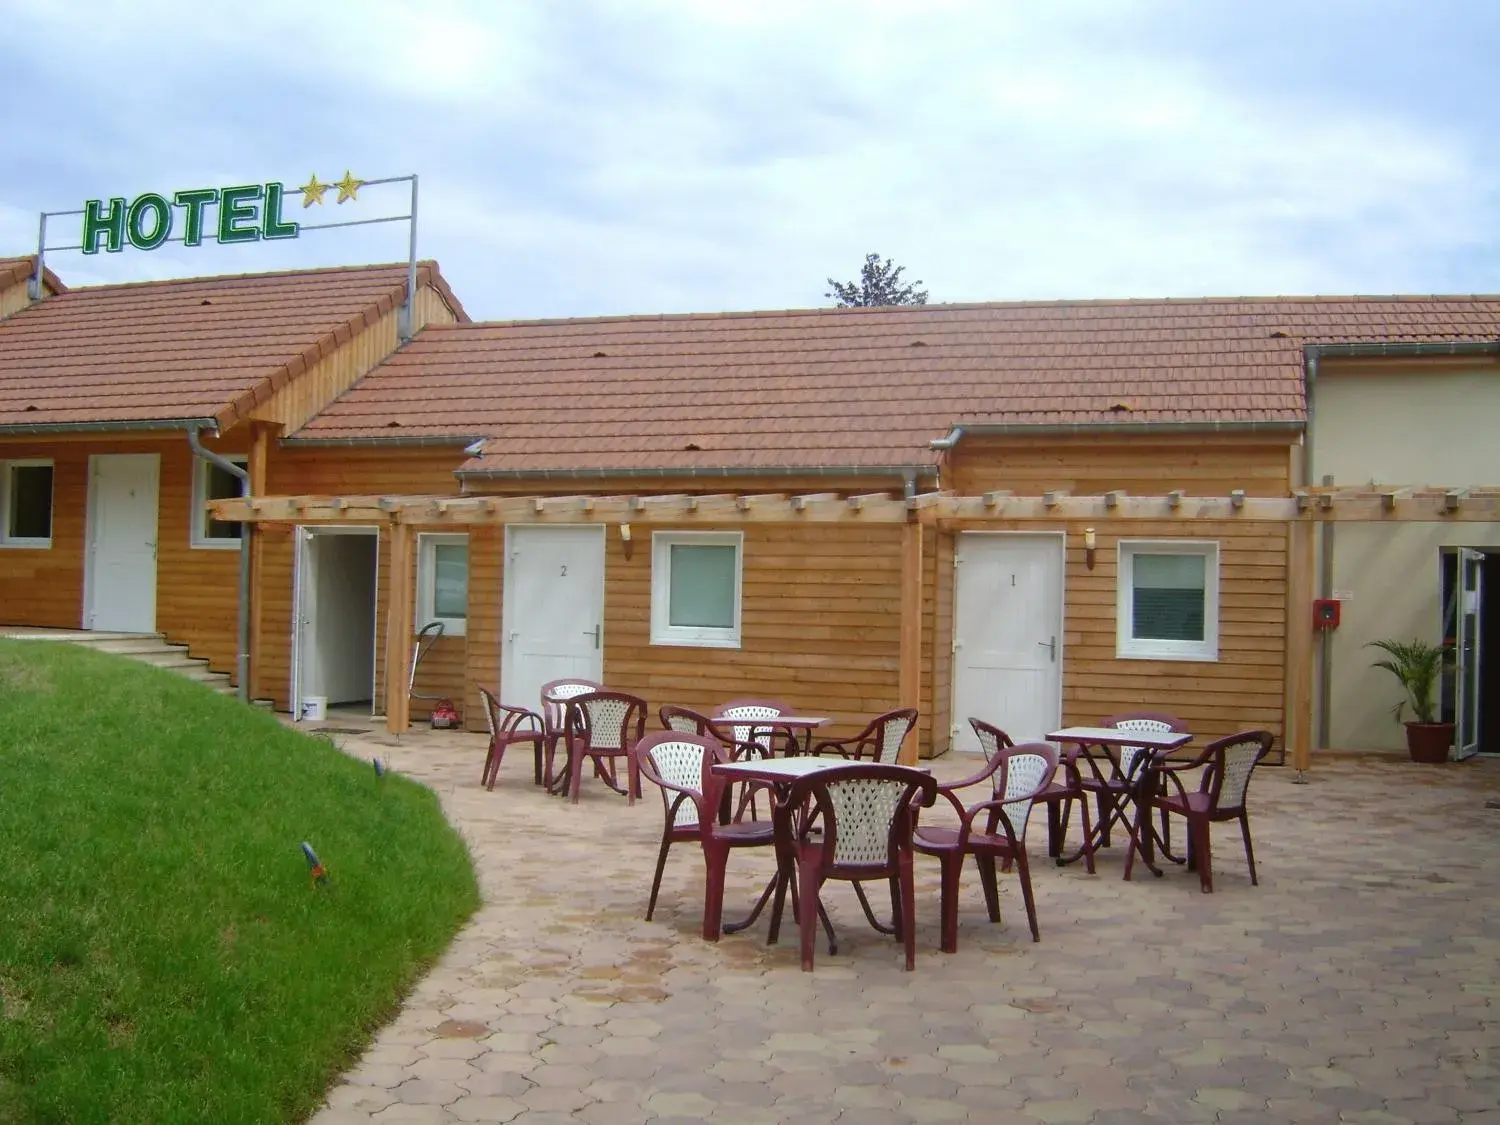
[
  {"x": 860, "y": 387},
  {"x": 208, "y": 347}
]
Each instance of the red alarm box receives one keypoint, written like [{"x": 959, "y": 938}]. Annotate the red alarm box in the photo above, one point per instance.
[{"x": 1326, "y": 613}]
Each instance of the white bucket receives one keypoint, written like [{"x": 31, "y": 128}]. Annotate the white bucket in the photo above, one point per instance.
[{"x": 314, "y": 708}]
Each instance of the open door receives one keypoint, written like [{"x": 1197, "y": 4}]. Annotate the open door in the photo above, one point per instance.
[
  {"x": 334, "y": 650},
  {"x": 1468, "y": 654}
]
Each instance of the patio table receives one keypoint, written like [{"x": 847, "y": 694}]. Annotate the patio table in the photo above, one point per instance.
[
  {"x": 794, "y": 726},
  {"x": 1138, "y": 782},
  {"x": 779, "y": 773}
]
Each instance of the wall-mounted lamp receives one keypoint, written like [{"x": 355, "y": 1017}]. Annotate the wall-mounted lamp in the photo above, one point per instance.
[
  {"x": 625, "y": 539},
  {"x": 1089, "y": 543}
]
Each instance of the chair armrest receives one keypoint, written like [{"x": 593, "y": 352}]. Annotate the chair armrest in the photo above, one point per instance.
[
  {"x": 515, "y": 716},
  {"x": 997, "y": 810}
]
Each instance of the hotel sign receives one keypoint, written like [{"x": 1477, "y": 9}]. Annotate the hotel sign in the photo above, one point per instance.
[{"x": 249, "y": 213}]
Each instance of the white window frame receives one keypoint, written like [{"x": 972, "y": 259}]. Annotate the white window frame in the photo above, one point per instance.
[
  {"x": 696, "y": 636},
  {"x": 32, "y": 542},
  {"x": 198, "y": 525},
  {"x": 1130, "y": 647},
  {"x": 427, "y": 545}
]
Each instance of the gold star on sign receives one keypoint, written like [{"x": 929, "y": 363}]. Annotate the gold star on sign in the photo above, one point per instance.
[
  {"x": 348, "y": 186},
  {"x": 312, "y": 191}
]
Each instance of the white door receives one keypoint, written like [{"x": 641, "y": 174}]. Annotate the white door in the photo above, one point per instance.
[
  {"x": 122, "y": 542},
  {"x": 1007, "y": 635},
  {"x": 553, "y": 609},
  {"x": 1468, "y": 656}
]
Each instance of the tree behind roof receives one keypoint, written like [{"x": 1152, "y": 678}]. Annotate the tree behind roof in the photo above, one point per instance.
[{"x": 879, "y": 284}]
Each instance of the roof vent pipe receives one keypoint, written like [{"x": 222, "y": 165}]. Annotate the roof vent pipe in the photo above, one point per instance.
[{"x": 242, "y": 644}]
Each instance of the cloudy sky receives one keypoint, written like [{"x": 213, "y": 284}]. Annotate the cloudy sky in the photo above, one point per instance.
[{"x": 612, "y": 156}]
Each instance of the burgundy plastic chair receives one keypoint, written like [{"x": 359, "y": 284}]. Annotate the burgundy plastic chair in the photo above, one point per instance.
[
  {"x": 602, "y": 727},
  {"x": 678, "y": 763},
  {"x": 555, "y": 696},
  {"x": 1220, "y": 796},
  {"x": 853, "y": 823},
  {"x": 505, "y": 723},
  {"x": 880, "y": 741},
  {"x": 1110, "y": 788},
  {"x": 1018, "y": 775},
  {"x": 745, "y": 734}
]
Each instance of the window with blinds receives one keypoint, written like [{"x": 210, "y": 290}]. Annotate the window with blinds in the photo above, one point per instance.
[
  {"x": 695, "y": 588},
  {"x": 1168, "y": 600},
  {"x": 443, "y": 582}
]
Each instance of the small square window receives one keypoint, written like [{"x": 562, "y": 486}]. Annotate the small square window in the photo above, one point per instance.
[
  {"x": 695, "y": 588},
  {"x": 214, "y": 482},
  {"x": 1168, "y": 600},
  {"x": 443, "y": 582},
  {"x": 26, "y": 503}
]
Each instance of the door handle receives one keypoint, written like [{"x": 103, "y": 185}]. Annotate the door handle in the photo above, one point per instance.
[
  {"x": 594, "y": 632},
  {"x": 1051, "y": 647}
]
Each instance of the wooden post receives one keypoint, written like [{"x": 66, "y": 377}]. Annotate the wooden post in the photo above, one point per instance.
[
  {"x": 398, "y": 629},
  {"x": 260, "y": 446},
  {"x": 1297, "y": 721},
  {"x": 910, "y": 682}
]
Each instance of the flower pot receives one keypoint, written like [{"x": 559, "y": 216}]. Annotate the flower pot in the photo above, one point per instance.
[{"x": 1429, "y": 742}]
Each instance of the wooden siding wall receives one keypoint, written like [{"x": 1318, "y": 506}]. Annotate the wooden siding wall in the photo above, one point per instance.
[
  {"x": 820, "y": 627},
  {"x": 940, "y": 657},
  {"x": 196, "y": 587},
  {"x": 14, "y": 298},
  {"x": 332, "y": 472},
  {"x": 314, "y": 389},
  {"x": 1243, "y": 688},
  {"x": 43, "y": 586}
]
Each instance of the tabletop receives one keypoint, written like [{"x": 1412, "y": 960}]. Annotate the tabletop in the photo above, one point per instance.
[
  {"x": 789, "y": 769},
  {"x": 1111, "y": 736}
]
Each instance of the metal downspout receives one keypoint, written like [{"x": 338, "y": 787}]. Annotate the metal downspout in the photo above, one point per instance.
[
  {"x": 247, "y": 529},
  {"x": 1326, "y": 537}
]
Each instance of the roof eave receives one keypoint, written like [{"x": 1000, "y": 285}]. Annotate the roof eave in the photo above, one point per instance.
[
  {"x": 131, "y": 426},
  {"x": 998, "y": 429},
  {"x": 708, "y": 471}
]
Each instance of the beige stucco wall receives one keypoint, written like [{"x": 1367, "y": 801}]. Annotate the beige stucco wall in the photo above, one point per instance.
[{"x": 1396, "y": 423}]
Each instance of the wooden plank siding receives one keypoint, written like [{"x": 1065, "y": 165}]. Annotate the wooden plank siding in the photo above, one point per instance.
[
  {"x": 1243, "y": 688},
  {"x": 196, "y": 587},
  {"x": 294, "y": 404},
  {"x": 14, "y": 298},
  {"x": 820, "y": 626}
]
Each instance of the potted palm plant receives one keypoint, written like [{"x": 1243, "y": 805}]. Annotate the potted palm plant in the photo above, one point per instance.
[{"x": 1419, "y": 666}]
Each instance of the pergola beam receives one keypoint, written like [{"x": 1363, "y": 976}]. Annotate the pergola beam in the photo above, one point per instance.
[{"x": 1382, "y": 504}]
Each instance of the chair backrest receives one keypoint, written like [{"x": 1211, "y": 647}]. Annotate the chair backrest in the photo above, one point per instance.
[
  {"x": 887, "y": 732},
  {"x": 751, "y": 709},
  {"x": 491, "y": 710},
  {"x": 555, "y": 696},
  {"x": 1231, "y": 761},
  {"x": 675, "y": 761},
  {"x": 610, "y": 720},
  {"x": 867, "y": 813},
  {"x": 1144, "y": 722},
  {"x": 685, "y": 720},
  {"x": 1025, "y": 770},
  {"x": 992, "y": 739}
]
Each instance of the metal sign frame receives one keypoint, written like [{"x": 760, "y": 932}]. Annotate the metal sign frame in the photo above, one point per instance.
[{"x": 347, "y": 189}]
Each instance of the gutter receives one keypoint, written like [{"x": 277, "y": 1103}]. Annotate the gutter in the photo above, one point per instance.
[
  {"x": 982, "y": 429},
  {"x": 377, "y": 442},
  {"x": 247, "y": 530},
  {"x": 151, "y": 426},
  {"x": 905, "y": 472}
]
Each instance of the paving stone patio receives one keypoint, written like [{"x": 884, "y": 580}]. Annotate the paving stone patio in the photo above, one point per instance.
[{"x": 1358, "y": 983}]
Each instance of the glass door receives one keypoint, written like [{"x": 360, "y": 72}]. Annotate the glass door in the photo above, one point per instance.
[{"x": 1467, "y": 653}]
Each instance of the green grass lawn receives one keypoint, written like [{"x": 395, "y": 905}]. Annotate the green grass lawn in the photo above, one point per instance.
[{"x": 163, "y": 955}]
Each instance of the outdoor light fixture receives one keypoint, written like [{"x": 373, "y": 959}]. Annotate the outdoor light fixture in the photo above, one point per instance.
[
  {"x": 625, "y": 539},
  {"x": 1088, "y": 547}
]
